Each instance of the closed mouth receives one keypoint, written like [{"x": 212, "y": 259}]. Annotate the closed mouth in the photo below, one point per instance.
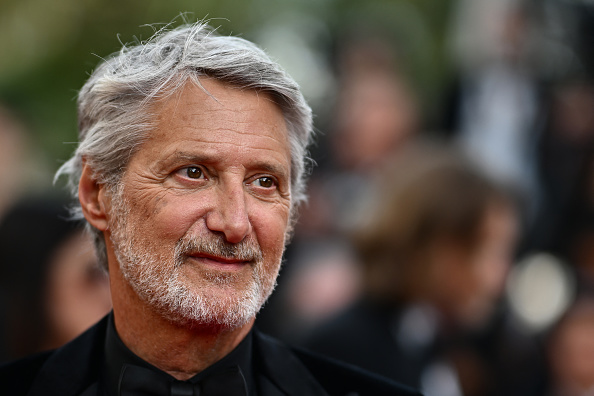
[{"x": 218, "y": 259}]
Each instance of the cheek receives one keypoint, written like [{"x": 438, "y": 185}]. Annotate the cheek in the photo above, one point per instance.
[
  {"x": 491, "y": 272},
  {"x": 270, "y": 227},
  {"x": 169, "y": 217}
]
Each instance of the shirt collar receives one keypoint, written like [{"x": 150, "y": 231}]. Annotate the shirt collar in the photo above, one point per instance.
[{"x": 117, "y": 354}]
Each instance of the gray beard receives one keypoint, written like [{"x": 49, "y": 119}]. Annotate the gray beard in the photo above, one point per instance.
[{"x": 159, "y": 281}]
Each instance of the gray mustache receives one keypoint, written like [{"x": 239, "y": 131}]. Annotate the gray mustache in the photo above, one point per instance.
[{"x": 246, "y": 250}]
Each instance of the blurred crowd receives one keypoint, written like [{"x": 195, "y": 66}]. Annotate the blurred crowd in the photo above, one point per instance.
[{"x": 455, "y": 255}]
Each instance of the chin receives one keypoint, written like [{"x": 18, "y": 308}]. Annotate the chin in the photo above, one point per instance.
[{"x": 215, "y": 306}]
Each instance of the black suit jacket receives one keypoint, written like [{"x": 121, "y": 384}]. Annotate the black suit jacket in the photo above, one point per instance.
[{"x": 71, "y": 369}]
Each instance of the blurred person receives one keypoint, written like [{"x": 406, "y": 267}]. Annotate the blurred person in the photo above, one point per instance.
[
  {"x": 189, "y": 172},
  {"x": 13, "y": 151},
  {"x": 52, "y": 288},
  {"x": 435, "y": 252},
  {"x": 376, "y": 115},
  {"x": 580, "y": 249},
  {"x": 498, "y": 101},
  {"x": 320, "y": 279},
  {"x": 566, "y": 165},
  {"x": 570, "y": 351}
]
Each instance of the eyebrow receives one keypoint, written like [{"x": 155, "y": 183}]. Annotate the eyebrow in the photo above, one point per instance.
[
  {"x": 180, "y": 156},
  {"x": 186, "y": 156},
  {"x": 271, "y": 168}
]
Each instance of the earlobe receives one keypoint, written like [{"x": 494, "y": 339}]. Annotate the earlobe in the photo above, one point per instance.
[{"x": 92, "y": 199}]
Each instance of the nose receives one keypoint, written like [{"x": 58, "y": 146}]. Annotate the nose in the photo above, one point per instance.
[{"x": 229, "y": 215}]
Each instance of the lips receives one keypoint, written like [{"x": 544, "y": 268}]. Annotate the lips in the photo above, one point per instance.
[{"x": 212, "y": 260}]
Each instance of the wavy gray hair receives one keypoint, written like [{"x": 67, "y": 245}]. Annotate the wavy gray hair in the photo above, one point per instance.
[{"x": 114, "y": 116}]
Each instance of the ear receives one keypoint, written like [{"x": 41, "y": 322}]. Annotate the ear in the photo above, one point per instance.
[{"x": 93, "y": 199}]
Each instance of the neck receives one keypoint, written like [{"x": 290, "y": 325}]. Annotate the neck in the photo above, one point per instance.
[{"x": 180, "y": 350}]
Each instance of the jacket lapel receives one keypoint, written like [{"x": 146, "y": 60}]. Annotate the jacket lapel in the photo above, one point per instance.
[
  {"x": 74, "y": 367},
  {"x": 283, "y": 369}
]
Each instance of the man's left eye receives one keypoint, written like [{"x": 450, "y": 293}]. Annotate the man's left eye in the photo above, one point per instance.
[
  {"x": 194, "y": 172},
  {"x": 266, "y": 182}
]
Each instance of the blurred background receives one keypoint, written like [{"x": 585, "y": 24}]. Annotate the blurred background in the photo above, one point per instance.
[{"x": 449, "y": 237}]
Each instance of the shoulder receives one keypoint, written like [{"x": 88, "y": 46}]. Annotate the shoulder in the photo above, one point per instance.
[
  {"x": 17, "y": 376},
  {"x": 341, "y": 378},
  {"x": 335, "y": 378}
]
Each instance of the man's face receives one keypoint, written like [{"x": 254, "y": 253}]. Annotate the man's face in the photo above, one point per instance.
[{"x": 199, "y": 224}]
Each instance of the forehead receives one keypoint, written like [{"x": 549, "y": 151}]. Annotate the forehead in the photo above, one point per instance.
[{"x": 216, "y": 118}]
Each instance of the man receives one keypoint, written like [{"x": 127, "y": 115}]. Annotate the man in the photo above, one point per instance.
[{"x": 189, "y": 172}]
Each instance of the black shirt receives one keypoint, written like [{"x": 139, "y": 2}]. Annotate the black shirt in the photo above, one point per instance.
[{"x": 117, "y": 354}]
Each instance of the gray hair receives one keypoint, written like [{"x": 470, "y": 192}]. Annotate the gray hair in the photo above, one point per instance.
[{"x": 114, "y": 105}]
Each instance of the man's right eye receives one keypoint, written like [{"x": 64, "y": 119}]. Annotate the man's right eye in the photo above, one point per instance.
[{"x": 191, "y": 172}]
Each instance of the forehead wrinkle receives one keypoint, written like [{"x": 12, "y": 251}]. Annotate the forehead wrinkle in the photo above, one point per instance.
[
  {"x": 213, "y": 135},
  {"x": 217, "y": 104},
  {"x": 207, "y": 108},
  {"x": 233, "y": 123},
  {"x": 178, "y": 155}
]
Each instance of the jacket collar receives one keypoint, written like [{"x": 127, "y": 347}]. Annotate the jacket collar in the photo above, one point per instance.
[
  {"x": 77, "y": 365},
  {"x": 281, "y": 367}
]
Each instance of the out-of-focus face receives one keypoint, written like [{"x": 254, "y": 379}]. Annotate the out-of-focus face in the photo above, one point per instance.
[
  {"x": 199, "y": 227},
  {"x": 571, "y": 350},
  {"x": 77, "y": 290},
  {"x": 377, "y": 116},
  {"x": 472, "y": 281}
]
